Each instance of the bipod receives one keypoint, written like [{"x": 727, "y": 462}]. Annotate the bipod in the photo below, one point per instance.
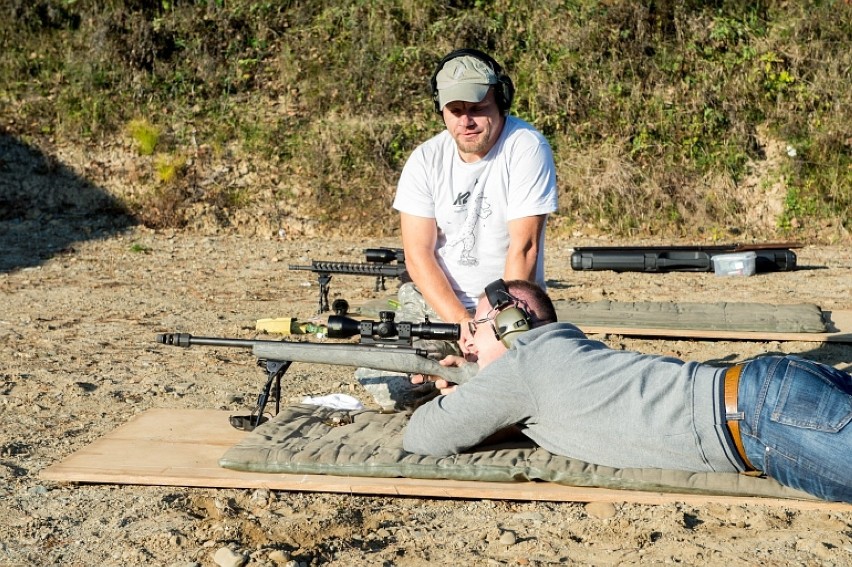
[
  {"x": 275, "y": 370},
  {"x": 324, "y": 279}
]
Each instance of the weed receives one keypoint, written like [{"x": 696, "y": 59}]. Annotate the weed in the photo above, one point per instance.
[
  {"x": 169, "y": 167},
  {"x": 144, "y": 134},
  {"x": 137, "y": 248},
  {"x": 237, "y": 197}
]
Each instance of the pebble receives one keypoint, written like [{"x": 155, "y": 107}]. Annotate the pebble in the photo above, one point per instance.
[
  {"x": 182, "y": 388},
  {"x": 600, "y": 510},
  {"x": 279, "y": 557},
  {"x": 529, "y": 516},
  {"x": 818, "y": 548},
  {"x": 260, "y": 496},
  {"x": 226, "y": 557},
  {"x": 38, "y": 490}
]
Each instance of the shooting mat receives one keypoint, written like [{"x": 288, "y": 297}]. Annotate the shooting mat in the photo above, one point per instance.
[
  {"x": 719, "y": 320},
  {"x": 316, "y": 440},
  {"x": 798, "y": 318}
]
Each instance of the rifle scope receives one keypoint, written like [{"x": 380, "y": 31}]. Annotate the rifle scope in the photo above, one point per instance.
[
  {"x": 384, "y": 255},
  {"x": 341, "y": 327}
]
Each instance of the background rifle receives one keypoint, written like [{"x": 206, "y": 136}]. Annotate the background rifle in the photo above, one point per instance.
[
  {"x": 383, "y": 345},
  {"x": 771, "y": 257},
  {"x": 381, "y": 263}
]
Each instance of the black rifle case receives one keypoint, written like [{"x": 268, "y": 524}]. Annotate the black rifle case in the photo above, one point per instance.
[{"x": 675, "y": 258}]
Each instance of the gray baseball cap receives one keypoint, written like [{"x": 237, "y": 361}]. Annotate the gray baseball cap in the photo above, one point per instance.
[{"x": 464, "y": 78}]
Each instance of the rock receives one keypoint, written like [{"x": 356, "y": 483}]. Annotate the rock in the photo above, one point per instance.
[
  {"x": 278, "y": 557},
  {"x": 600, "y": 510},
  {"x": 260, "y": 497},
  {"x": 392, "y": 391},
  {"x": 529, "y": 516},
  {"x": 226, "y": 557}
]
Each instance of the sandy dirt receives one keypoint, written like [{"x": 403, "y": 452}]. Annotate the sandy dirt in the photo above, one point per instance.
[{"x": 78, "y": 358}]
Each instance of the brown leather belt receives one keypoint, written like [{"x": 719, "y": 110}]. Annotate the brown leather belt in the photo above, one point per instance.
[{"x": 732, "y": 384}]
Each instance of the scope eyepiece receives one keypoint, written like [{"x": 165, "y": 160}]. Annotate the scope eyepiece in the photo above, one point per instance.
[{"x": 438, "y": 331}]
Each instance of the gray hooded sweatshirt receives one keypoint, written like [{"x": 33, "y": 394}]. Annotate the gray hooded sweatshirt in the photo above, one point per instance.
[{"x": 579, "y": 398}]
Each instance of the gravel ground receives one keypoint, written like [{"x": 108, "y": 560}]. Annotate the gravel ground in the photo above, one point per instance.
[{"x": 77, "y": 357}]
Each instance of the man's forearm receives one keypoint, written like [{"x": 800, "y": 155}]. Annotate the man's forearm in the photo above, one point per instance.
[
  {"x": 419, "y": 237},
  {"x": 469, "y": 416},
  {"x": 433, "y": 431},
  {"x": 521, "y": 264},
  {"x": 435, "y": 287},
  {"x": 525, "y": 241}
]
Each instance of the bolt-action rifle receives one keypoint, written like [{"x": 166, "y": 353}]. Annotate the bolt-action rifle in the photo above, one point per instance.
[
  {"x": 381, "y": 262},
  {"x": 383, "y": 345}
]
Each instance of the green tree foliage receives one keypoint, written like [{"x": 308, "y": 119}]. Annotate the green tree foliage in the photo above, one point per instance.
[{"x": 658, "y": 112}]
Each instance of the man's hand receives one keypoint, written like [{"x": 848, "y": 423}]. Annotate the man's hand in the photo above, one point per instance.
[
  {"x": 466, "y": 339},
  {"x": 451, "y": 361}
]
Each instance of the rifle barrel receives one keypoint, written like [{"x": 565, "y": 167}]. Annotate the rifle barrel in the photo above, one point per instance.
[{"x": 186, "y": 340}]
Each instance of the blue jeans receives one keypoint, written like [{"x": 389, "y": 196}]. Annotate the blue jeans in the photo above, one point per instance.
[{"x": 796, "y": 427}]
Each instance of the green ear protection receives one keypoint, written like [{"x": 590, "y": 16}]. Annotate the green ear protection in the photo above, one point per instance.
[{"x": 510, "y": 321}]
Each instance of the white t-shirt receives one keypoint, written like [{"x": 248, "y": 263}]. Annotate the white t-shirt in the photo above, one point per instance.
[{"x": 473, "y": 202}]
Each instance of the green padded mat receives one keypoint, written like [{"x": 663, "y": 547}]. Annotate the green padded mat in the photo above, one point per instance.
[
  {"x": 305, "y": 439},
  {"x": 720, "y": 316}
]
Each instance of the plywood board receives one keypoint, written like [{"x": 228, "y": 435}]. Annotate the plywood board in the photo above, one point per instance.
[
  {"x": 180, "y": 447},
  {"x": 839, "y": 321}
]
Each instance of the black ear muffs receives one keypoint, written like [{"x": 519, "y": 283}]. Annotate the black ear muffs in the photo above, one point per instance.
[
  {"x": 504, "y": 89},
  {"x": 510, "y": 322},
  {"x": 498, "y": 294}
]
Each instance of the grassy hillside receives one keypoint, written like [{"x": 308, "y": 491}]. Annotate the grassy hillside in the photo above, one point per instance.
[{"x": 711, "y": 119}]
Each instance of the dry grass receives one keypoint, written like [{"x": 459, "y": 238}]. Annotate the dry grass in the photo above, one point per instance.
[{"x": 660, "y": 114}]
